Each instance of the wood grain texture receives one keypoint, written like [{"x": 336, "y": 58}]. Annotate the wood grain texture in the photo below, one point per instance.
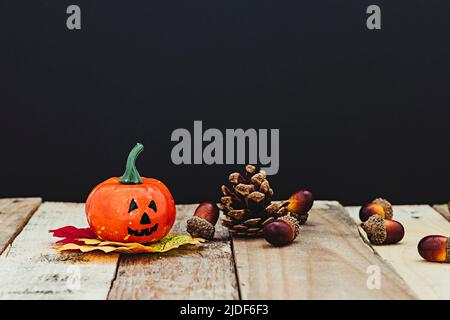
[
  {"x": 206, "y": 272},
  {"x": 329, "y": 260},
  {"x": 428, "y": 280},
  {"x": 443, "y": 210},
  {"x": 14, "y": 214},
  {"x": 31, "y": 269}
]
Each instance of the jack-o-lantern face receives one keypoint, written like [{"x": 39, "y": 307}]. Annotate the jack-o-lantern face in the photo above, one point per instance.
[
  {"x": 130, "y": 212},
  {"x": 146, "y": 227}
]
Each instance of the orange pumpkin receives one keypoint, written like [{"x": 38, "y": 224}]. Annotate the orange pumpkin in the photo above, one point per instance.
[{"x": 131, "y": 208}]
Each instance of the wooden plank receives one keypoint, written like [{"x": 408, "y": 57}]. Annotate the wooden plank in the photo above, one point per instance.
[
  {"x": 14, "y": 214},
  {"x": 31, "y": 269},
  {"x": 443, "y": 210},
  {"x": 328, "y": 261},
  {"x": 204, "y": 273},
  {"x": 428, "y": 280}
]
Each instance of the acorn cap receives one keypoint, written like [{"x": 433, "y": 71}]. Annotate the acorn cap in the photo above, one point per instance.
[
  {"x": 293, "y": 222},
  {"x": 375, "y": 229},
  {"x": 301, "y": 218},
  {"x": 387, "y": 207},
  {"x": 447, "y": 258},
  {"x": 200, "y": 228}
]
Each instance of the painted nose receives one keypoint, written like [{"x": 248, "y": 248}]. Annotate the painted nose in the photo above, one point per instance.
[{"x": 145, "y": 219}]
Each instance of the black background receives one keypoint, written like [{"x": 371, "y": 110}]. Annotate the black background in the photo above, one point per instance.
[{"x": 361, "y": 113}]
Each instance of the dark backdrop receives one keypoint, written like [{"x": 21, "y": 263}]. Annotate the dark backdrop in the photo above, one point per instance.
[{"x": 361, "y": 113}]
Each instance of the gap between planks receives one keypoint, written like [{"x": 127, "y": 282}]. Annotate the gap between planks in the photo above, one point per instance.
[
  {"x": 14, "y": 215},
  {"x": 428, "y": 280},
  {"x": 329, "y": 260},
  {"x": 443, "y": 210}
]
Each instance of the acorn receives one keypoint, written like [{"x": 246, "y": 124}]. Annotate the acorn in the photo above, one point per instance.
[
  {"x": 387, "y": 207},
  {"x": 379, "y": 206},
  {"x": 282, "y": 231},
  {"x": 435, "y": 248},
  {"x": 300, "y": 202},
  {"x": 381, "y": 231},
  {"x": 202, "y": 224},
  {"x": 369, "y": 210}
]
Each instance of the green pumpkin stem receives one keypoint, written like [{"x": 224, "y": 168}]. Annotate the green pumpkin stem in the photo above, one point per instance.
[{"x": 131, "y": 175}]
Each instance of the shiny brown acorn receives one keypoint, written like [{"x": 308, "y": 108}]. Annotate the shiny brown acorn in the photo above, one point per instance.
[
  {"x": 381, "y": 231},
  {"x": 379, "y": 206},
  {"x": 435, "y": 248},
  {"x": 300, "y": 202},
  {"x": 282, "y": 231},
  {"x": 202, "y": 223}
]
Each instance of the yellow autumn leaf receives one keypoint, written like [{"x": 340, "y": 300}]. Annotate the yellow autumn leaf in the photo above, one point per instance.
[
  {"x": 169, "y": 242},
  {"x": 90, "y": 241}
]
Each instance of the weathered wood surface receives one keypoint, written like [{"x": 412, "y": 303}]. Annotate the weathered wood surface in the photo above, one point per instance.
[
  {"x": 443, "y": 210},
  {"x": 329, "y": 260},
  {"x": 205, "y": 273},
  {"x": 31, "y": 269},
  {"x": 14, "y": 214},
  {"x": 428, "y": 280}
]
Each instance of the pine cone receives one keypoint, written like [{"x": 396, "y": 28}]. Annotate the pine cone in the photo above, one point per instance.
[{"x": 247, "y": 205}]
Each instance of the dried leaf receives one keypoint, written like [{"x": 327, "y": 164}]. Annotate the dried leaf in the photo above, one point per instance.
[{"x": 169, "y": 242}]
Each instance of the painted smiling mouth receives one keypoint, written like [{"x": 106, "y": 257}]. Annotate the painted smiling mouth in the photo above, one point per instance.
[{"x": 142, "y": 232}]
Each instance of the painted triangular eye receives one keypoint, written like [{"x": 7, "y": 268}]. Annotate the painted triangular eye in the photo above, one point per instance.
[
  {"x": 152, "y": 205},
  {"x": 133, "y": 206}
]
